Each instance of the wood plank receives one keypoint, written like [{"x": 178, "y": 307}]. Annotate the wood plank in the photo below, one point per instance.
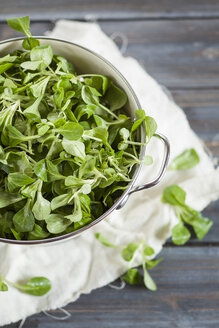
[
  {"x": 187, "y": 98},
  {"x": 179, "y": 54},
  {"x": 103, "y": 9},
  {"x": 187, "y": 296},
  {"x": 201, "y": 108}
]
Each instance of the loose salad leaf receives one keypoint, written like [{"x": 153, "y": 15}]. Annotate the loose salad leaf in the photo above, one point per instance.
[
  {"x": 37, "y": 286},
  {"x": 180, "y": 234},
  {"x": 103, "y": 240},
  {"x": 133, "y": 276},
  {"x": 186, "y": 160},
  {"x": 3, "y": 285},
  {"x": 176, "y": 196},
  {"x": 129, "y": 251}
]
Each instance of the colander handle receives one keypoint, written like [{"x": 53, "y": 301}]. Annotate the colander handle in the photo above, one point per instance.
[{"x": 161, "y": 172}]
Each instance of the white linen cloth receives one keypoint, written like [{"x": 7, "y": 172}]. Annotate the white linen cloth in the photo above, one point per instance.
[{"x": 80, "y": 265}]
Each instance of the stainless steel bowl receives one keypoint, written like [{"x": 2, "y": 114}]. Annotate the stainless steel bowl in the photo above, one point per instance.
[{"x": 87, "y": 61}]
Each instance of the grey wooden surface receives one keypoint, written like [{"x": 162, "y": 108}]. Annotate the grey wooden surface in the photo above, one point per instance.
[{"x": 177, "y": 43}]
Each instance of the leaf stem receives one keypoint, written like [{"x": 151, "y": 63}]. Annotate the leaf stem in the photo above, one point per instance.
[{"x": 108, "y": 111}]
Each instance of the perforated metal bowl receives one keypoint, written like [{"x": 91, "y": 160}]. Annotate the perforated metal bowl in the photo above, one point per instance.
[{"x": 87, "y": 61}]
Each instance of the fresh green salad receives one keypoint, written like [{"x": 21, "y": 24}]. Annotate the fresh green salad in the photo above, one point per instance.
[{"x": 67, "y": 147}]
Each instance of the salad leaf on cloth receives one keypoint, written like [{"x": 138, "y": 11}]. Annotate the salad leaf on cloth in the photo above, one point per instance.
[
  {"x": 67, "y": 147},
  {"x": 133, "y": 275},
  {"x": 37, "y": 286},
  {"x": 185, "y": 161}
]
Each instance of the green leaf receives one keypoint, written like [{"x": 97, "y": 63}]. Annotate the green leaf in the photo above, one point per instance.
[
  {"x": 150, "y": 126},
  {"x": 24, "y": 220},
  {"x": 30, "y": 76},
  {"x": 129, "y": 251},
  {"x": 124, "y": 133},
  {"x": 56, "y": 223},
  {"x": 8, "y": 198},
  {"x": 53, "y": 172},
  {"x": 132, "y": 277},
  {"x": 150, "y": 264},
  {"x": 98, "y": 82},
  {"x": 76, "y": 216},
  {"x": 148, "y": 251},
  {"x": 72, "y": 181},
  {"x": 116, "y": 97},
  {"x": 37, "y": 286},
  {"x": 5, "y": 67},
  {"x": 98, "y": 132},
  {"x": 32, "y": 111},
  {"x": 60, "y": 201},
  {"x": 30, "y": 43},
  {"x": 71, "y": 131},
  {"x": 148, "y": 281},
  {"x": 201, "y": 226},
  {"x": 31, "y": 65},
  {"x": 6, "y": 223},
  {"x": 9, "y": 84},
  {"x": 64, "y": 65},
  {"x": 18, "y": 180},
  {"x": 140, "y": 117},
  {"x": 30, "y": 190},
  {"x": 186, "y": 160},
  {"x": 42, "y": 129},
  {"x": 87, "y": 166},
  {"x": 20, "y": 24},
  {"x": 8, "y": 59},
  {"x": 42, "y": 53},
  {"x": 180, "y": 234},
  {"x": 42, "y": 208},
  {"x": 40, "y": 170},
  {"x": 74, "y": 148},
  {"x": 3, "y": 286},
  {"x": 38, "y": 89},
  {"x": 174, "y": 195},
  {"x": 90, "y": 95},
  {"x": 16, "y": 137},
  {"x": 38, "y": 233},
  {"x": 17, "y": 235},
  {"x": 103, "y": 240}
]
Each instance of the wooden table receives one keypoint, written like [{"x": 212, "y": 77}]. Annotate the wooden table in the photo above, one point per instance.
[{"x": 178, "y": 43}]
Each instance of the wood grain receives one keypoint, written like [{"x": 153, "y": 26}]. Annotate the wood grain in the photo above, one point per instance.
[
  {"x": 104, "y": 9},
  {"x": 187, "y": 297},
  {"x": 179, "y": 54}
]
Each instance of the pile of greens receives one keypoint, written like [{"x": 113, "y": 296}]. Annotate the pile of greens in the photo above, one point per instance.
[{"x": 67, "y": 147}]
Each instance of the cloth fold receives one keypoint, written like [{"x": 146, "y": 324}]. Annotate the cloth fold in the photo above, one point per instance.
[{"x": 82, "y": 264}]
